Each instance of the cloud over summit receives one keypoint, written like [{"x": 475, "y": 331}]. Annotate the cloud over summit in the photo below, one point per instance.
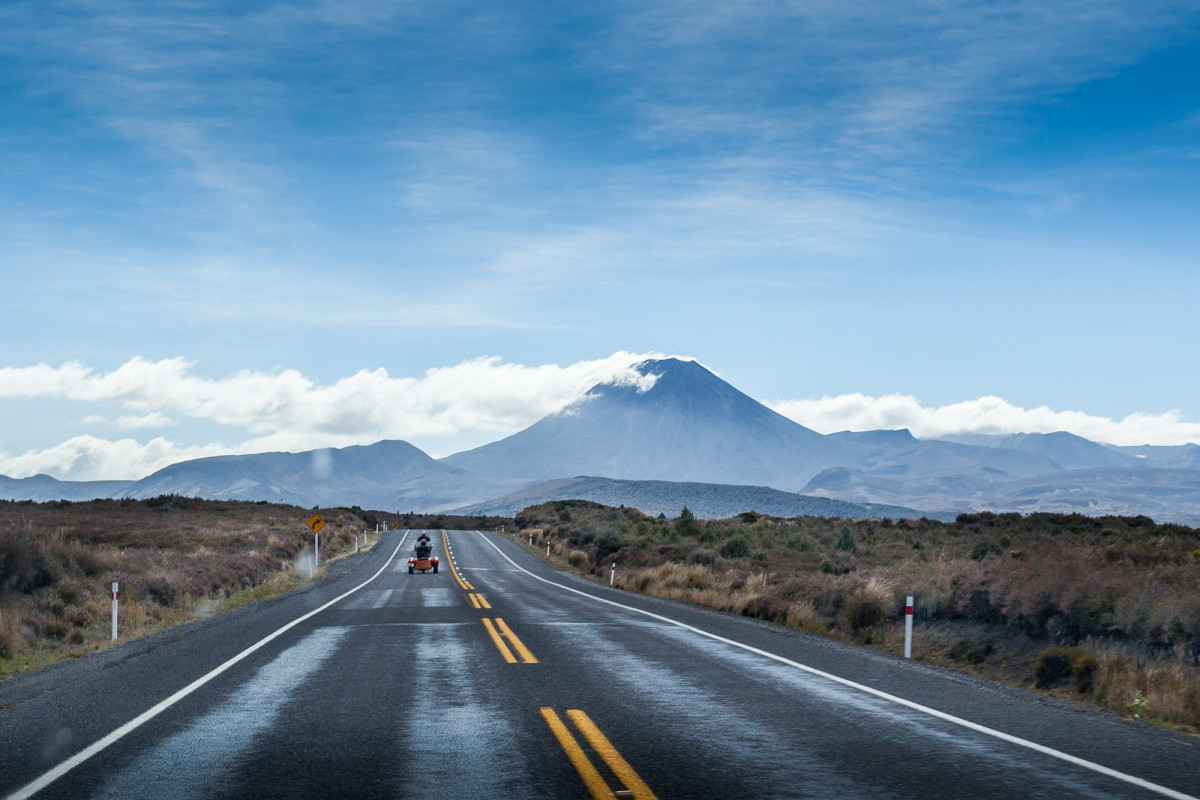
[{"x": 485, "y": 397}]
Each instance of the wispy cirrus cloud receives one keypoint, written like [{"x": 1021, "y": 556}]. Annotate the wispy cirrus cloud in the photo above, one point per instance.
[{"x": 985, "y": 415}]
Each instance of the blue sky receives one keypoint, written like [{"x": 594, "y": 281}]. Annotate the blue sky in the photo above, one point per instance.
[{"x": 832, "y": 205}]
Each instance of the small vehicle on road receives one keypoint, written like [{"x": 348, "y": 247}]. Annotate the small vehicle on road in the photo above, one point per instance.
[{"x": 422, "y": 559}]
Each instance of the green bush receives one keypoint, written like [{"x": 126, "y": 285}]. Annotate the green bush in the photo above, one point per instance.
[
  {"x": 845, "y": 541},
  {"x": 737, "y": 547},
  {"x": 832, "y": 567},
  {"x": 800, "y": 542}
]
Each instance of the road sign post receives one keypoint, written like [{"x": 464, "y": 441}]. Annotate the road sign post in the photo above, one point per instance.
[{"x": 315, "y": 524}]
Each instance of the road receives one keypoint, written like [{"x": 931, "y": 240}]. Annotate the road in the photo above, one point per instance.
[{"x": 506, "y": 678}]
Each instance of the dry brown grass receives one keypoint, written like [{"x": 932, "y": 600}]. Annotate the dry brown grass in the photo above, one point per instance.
[
  {"x": 992, "y": 590},
  {"x": 174, "y": 558}
]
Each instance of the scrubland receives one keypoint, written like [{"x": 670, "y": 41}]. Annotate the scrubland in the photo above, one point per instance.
[
  {"x": 174, "y": 559},
  {"x": 1104, "y": 610}
]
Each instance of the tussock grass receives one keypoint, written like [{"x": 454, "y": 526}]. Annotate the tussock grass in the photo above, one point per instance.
[
  {"x": 174, "y": 558},
  {"x": 993, "y": 591}
]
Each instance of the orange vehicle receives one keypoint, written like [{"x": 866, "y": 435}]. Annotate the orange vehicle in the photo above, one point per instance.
[{"x": 423, "y": 558}]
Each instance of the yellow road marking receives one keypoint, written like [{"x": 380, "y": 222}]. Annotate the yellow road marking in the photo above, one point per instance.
[
  {"x": 464, "y": 585},
  {"x": 499, "y": 632},
  {"x": 500, "y": 645},
  {"x": 526, "y": 656},
  {"x": 478, "y": 600},
  {"x": 603, "y": 746},
  {"x": 591, "y": 778}
]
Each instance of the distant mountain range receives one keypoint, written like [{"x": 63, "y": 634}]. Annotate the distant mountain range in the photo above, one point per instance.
[
  {"x": 389, "y": 475},
  {"x": 654, "y": 447},
  {"x": 43, "y": 488},
  {"x": 705, "y": 500}
]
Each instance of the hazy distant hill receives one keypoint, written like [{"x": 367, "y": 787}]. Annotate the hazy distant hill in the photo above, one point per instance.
[
  {"x": 1167, "y": 495},
  {"x": 389, "y": 475},
  {"x": 705, "y": 500},
  {"x": 690, "y": 426},
  {"x": 43, "y": 488}
]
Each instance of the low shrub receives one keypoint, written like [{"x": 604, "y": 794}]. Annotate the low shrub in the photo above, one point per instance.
[
  {"x": 737, "y": 547},
  {"x": 863, "y": 611},
  {"x": 1055, "y": 664},
  {"x": 845, "y": 541},
  {"x": 971, "y": 651},
  {"x": 800, "y": 543},
  {"x": 9, "y": 638},
  {"x": 868, "y": 605}
]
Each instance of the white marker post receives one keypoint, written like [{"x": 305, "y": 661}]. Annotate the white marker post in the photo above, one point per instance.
[
  {"x": 114, "y": 630},
  {"x": 316, "y": 549},
  {"x": 908, "y": 614},
  {"x": 547, "y": 551},
  {"x": 612, "y": 578},
  {"x": 531, "y": 540}
]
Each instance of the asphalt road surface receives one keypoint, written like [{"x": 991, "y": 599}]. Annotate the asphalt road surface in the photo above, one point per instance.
[{"x": 505, "y": 678}]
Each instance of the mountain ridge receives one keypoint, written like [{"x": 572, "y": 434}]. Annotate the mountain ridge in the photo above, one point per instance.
[{"x": 688, "y": 426}]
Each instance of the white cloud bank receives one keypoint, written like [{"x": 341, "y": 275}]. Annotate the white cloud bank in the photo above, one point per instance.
[
  {"x": 285, "y": 410},
  {"x": 89, "y": 458},
  {"x": 987, "y": 415}
]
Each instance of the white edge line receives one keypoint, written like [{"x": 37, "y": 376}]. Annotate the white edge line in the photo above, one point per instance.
[
  {"x": 36, "y": 785},
  {"x": 974, "y": 726}
]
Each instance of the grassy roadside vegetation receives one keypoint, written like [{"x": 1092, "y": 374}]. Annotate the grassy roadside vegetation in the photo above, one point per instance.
[
  {"x": 1101, "y": 610},
  {"x": 175, "y": 559}
]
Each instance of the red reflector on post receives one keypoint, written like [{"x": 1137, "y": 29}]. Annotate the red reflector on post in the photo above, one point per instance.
[{"x": 908, "y": 610}]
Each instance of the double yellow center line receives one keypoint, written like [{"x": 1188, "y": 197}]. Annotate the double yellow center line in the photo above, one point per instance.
[
  {"x": 506, "y": 642},
  {"x": 464, "y": 585},
  {"x": 634, "y": 786},
  {"x": 499, "y": 632}
]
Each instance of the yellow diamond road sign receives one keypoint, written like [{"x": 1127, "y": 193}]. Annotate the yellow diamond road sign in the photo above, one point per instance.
[{"x": 316, "y": 523}]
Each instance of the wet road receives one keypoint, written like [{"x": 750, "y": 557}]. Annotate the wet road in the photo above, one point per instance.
[{"x": 505, "y": 678}]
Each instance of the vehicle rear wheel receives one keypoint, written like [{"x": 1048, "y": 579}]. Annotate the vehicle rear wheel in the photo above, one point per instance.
[
  {"x": 435, "y": 569},
  {"x": 410, "y": 570}
]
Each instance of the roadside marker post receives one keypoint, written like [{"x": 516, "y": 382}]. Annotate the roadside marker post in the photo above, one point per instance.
[
  {"x": 114, "y": 625},
  {"x": 612, "y": 578},
  {"x": 908, "y": 615},
  {"x": 316, "y": 548},
  {"x": 547, "y": 550}
]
